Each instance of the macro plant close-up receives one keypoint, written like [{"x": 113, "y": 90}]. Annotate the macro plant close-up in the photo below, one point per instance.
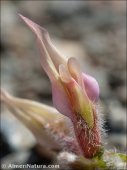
[{"x": 72, "y": 132}]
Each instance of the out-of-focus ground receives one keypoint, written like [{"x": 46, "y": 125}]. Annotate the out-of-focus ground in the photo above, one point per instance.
[{"x": 92, "y": 31}]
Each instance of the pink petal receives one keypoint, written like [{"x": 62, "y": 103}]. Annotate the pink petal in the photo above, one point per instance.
[
  {"x": 51, "y": 59},
  {"x": 75, "y": 70},
  {"x": 42, "y": 34},
  {"x": 64, "y": 74},
  {"x": 49, "y": 53},
  {"x": 61, "y": 100},
  {"x": 77, "y": 95},
  {"x": 92, "y": 87}
]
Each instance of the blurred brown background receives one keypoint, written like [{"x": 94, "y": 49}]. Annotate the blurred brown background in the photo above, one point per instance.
[{"x": 92, "y": 31}]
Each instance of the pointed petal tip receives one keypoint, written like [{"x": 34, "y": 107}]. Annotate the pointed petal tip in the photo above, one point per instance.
[
  {"x": 29, "y": 22},
  {"x": 23, "y": 17},
  {"x": 37, "y": 29},
  {"x": 20, "y": 15}
]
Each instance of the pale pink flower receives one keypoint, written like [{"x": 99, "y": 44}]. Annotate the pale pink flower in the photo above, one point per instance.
[{"x": 75, "y": 94}]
